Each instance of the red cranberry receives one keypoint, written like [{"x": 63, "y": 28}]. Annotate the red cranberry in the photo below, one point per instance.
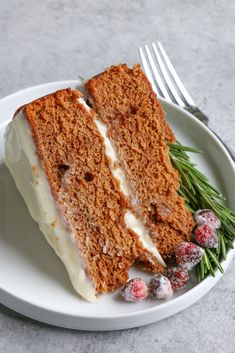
[
  {"x": 135, "y": 290},
  {"x": 178, "y": 277},
  {"x": 206, "y": 236},
  {"x": 208, "y": 217},
  {"x": 188, "y": 255},
  {"x": 160, "y": 287}
]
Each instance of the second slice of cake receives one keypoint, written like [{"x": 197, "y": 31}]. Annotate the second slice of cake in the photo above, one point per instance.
[{"x": 135, "y": 122}]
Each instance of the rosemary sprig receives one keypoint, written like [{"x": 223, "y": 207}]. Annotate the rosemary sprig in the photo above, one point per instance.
[{"x": 199, "y": 194}]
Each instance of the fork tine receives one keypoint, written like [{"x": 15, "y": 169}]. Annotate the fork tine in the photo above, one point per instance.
[
  {"x": 157, "y": 75},
  {"x": 174, "y": 74},
  {"x": 147, "y": 71},
  {"x": 167, "y": 78}
]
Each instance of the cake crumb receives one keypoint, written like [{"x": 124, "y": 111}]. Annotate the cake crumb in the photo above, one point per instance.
[
  {"x": 35, "y": 171},
  {"x": 53, "y": 224}
]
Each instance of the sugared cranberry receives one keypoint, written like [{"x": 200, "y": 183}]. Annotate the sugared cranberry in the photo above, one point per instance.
[
  {"x": 188, "y": 255},
  {"x": 206, "y": 236},
  {"x": 160, "y": 287},
  {"x": 135, "y": 290},
  {"x": 207, "y": 217},
  {"x": 178, "y": 277}
]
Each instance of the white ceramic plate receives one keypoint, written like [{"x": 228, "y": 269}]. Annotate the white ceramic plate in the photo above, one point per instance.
[{"x": 34, "y": 282}]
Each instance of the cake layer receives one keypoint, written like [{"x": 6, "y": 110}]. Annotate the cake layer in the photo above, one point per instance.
[
  {"x": 23, "y": 162},
  {"x": 128, "y": 107},
  {"x": 62, "y": 167},
  {"x": 133, "y": 223}
]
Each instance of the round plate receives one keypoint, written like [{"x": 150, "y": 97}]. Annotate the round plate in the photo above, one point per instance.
[{"x": 34, "y": 282}]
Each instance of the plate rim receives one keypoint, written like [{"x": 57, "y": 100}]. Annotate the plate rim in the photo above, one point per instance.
[{"x": 208, "y": 282}]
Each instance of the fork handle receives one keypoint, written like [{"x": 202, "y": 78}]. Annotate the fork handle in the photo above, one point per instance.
[{"x": 198, "y": 114}]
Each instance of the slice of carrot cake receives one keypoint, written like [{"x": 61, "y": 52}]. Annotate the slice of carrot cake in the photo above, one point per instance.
[
  {"x": 136, "y": 126},
  {"x": 69, "y": 175}
]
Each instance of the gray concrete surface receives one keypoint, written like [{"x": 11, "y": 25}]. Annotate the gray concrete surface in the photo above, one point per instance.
[{"x": 47, "y": 40}]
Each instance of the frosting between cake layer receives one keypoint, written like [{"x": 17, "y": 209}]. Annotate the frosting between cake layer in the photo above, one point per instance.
[
  {"x": 131, "y": 221},
  {"x": 23, "y": 162}
]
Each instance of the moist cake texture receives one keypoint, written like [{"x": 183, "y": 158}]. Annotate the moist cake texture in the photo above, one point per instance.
[
  {"x": 99, "y": 181},
  {"x": 136, "y": 125},
  {"x": 88, "y": 198}
]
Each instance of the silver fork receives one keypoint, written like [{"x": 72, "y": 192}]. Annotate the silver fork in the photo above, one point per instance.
[{"x": 167, "y": 84}]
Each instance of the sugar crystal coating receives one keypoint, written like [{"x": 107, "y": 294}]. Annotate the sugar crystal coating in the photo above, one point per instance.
[
  {"x": 160, "y": 287},
  {"x": 207, "y": 216},
  {"x": 135, "y": 290},
  {"x": 188, "y": 255},
  {"x": 178, "y": 277},
  {"x": 206, "y": 236}
]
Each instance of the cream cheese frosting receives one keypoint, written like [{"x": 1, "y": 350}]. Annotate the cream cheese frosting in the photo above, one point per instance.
[{"x": 23, "y": 162}]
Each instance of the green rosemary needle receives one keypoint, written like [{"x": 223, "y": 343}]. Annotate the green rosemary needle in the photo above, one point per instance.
[{"x": 199, "y": 193}]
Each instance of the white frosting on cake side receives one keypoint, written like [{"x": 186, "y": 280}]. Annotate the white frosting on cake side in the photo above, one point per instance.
[
  {"x": 132, "y": 222},
  {"x": 23, "y": 162}
]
